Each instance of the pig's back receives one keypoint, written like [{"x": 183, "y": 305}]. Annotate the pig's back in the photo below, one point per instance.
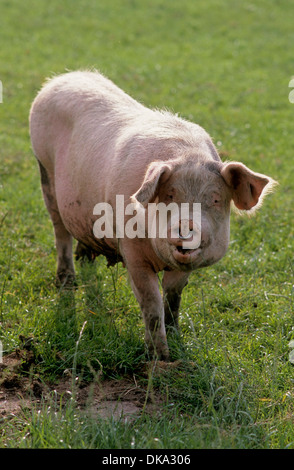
[{"x": 74, "y": 93}]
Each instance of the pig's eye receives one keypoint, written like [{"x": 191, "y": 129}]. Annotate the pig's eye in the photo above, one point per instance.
[
  {"x": 169, "y": 196},
  {"x": 216, "y": 200}
]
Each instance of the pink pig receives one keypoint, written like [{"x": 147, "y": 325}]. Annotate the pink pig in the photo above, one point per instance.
[{"x": 94, "y": 142}]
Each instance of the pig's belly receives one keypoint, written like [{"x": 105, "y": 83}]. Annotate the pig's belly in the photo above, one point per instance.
[{"x": 78, "y": 218}]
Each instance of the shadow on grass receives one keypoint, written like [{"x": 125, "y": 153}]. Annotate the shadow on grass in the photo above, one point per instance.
[{"x": 112, "y": 343}]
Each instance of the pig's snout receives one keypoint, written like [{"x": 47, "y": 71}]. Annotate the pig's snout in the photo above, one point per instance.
[
  {"x": 188, "y": 240},
  {"x": 185, "y": 232},
  {"x": 187, "y": 229}
]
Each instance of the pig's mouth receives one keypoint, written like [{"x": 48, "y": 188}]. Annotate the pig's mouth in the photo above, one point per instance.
[{"x": 186, "y": 255}]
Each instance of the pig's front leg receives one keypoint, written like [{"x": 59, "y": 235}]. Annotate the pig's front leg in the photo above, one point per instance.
[
  {"x": 145, "y": 287},
  {"x": 173, "y": 283}
]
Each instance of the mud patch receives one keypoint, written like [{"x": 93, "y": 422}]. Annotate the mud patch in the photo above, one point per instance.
[
  {"x": 117, "y": 410},
  {"x": 16, "y": 390},
  {"x": 124, "y": 398}
]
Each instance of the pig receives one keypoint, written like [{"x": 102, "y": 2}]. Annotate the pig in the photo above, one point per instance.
[{"x": 93, "y": 142}]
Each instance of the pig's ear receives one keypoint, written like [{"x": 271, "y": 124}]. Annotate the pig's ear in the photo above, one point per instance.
[
  {"x": 156, "y": 172},
  {"x": 248, "y": 188}
]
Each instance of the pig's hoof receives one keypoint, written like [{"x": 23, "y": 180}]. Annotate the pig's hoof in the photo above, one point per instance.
[
  {"x": 66, "y": 280},
  {"x": 164, "y": 357},
  {"x": 159, "y": 354}
]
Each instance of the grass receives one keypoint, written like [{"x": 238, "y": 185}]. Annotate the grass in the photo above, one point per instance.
[{"x": 225, "y": 65}]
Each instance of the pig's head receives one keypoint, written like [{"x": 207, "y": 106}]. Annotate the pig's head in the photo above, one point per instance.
[{"x": 192, "y": 242}]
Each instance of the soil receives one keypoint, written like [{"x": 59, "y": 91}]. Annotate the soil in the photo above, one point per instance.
[{"x": 125, "y": 397}]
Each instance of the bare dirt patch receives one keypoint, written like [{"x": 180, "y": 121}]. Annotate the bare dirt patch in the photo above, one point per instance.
[
  {"x": 125, "y": 397},
  {"x": 16, "y": 390}
]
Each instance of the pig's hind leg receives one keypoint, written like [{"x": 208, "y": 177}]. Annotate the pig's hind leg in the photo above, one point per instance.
[{"x": 63, "y": 239}]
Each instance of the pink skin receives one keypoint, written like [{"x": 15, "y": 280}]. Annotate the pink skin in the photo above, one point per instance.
[
  {"x": 188, "y": 185},
  {"x": 94, "y": 142}
]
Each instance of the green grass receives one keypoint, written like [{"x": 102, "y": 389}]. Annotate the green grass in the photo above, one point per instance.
[{"x": 225, "y": 65}]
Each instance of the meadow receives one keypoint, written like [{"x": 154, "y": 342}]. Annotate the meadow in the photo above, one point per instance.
[{"x": 225, "y": 65}]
